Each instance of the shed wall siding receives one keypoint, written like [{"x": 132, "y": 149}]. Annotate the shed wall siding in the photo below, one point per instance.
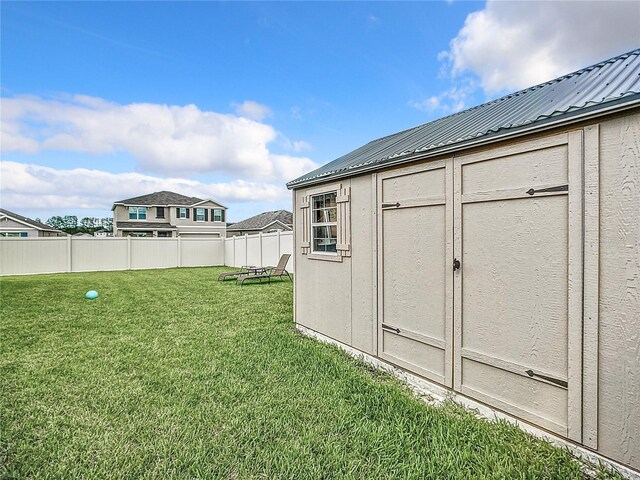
[
  {"x": 338, "y": 299},
  {"x": 363, "y": 256},
  {"x": 619, "y": 327},
  {"x": 323, "y": 289}
]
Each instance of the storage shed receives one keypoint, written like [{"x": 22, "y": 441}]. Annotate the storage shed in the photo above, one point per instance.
[{"x": 495, "y": 253}]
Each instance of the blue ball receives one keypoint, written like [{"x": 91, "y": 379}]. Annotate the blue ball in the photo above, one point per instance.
[{"x": 91, "y": 294}]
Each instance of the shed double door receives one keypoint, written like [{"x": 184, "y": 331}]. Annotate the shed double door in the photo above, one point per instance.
[{"x": 480, "y": 276}]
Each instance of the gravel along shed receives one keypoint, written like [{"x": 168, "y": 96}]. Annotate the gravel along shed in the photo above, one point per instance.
[{"x": 495, "y": 253}]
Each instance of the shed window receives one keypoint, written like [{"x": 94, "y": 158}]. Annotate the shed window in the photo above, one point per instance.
[{"x": 324, "y": 223}]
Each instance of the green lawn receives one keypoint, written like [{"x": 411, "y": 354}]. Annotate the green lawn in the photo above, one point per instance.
[{"x": 171, "y": 374}]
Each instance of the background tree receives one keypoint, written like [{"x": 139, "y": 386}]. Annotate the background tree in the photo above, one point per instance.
[
  {"x": 56, "y": 222},
  {"x": 107, "y": 224},
  {"x": 88, "y": 224}
]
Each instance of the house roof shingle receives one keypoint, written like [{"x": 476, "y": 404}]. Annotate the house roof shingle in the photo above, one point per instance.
[
  {"x": 161, "y": 198},
  {"x": 29, "y": 221},
  {"x": 604, "y": 85},
  {"x": 258, "y": 222}
]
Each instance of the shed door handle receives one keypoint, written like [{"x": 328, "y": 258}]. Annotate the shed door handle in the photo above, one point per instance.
[
  {"x": 388, "y": 205},
  {"x": 456, "y": 264}
]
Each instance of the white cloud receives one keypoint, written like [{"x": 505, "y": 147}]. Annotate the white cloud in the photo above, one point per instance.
[
  {"x": 296, "y": 112},
  {"x": 512, "y": 45},
  {"x": 39, "y": 187},
  {"x": 294, "y": 145},
  {"x": 450, "y": 101},
  {"x": 372, "y": 19},
  {"x": 167, "y": 139},
  {"x": 252, "y": 110}
]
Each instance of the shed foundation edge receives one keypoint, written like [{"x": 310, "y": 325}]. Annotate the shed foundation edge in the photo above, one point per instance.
[{"x": 435, "y": 394}]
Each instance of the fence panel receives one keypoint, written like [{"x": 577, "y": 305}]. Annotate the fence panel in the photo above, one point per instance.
[
  {"x": 254, "y": 250},
  {"x": 259, "y": 249},
  {"x": 98, "y": 254},
  {"x": 202, "y": 252},
  {"x": 20, "y": 256},
  {"x": 23, "y": 256},
  {"x": 153, "y": 253},
  {"x": 270, "y": 250}
]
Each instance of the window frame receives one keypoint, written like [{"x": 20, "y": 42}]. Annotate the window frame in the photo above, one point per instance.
[
  {"x": 198, "y": 215},
  {"x": 14, "y": 234},
  {"x": 313, "y": 224},
  {"x": 182, "y": 215},
  {"x": 216, "y": 217},
  {"x": 137, "y": 211}
]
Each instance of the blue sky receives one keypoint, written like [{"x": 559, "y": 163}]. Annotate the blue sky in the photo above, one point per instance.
[{"x": 102, "y": 101}]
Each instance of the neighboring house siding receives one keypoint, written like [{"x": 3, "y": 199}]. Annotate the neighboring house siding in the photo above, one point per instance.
[
  {"x": 8, "y": 225},
  {"x": 601, "y": 407}
]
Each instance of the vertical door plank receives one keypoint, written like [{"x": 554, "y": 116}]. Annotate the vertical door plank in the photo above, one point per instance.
[
  {"x": 449, "y": 187},
  {"x": 591, "y": 285},
  {"x": 457, "y": 275},
  {"x": 575, "y": 301}
]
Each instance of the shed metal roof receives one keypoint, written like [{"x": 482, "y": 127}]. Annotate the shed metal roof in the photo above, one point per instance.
[{"x": 606, "y": 84}]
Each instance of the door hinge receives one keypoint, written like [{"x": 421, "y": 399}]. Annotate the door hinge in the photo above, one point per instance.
[
  {"x": 556, "y": 381},
  {"x": 559, "y": 188}
]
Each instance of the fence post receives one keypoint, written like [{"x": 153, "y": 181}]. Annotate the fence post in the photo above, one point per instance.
[
  {"x": 69, "y": 263},
  {"x": 278, "y": 244},
  {"x": 179, "y": 251},
  {"x": 246, "y": 249},
  {"x": 128, "y": 252},
  {"x": 234, "y": 252}
]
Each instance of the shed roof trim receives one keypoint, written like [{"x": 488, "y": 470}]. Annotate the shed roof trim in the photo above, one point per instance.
[{"x": 590, "y": 89}]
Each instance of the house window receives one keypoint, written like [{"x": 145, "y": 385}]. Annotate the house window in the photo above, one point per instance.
[
  {"x": 137, "y": 213},
  {"x": 218, "y": 215},
  {"x": 14, "y": 234},
  {"x": 164, "y": 234},
  {"x": 199, "y": 214},
  {"x": 324, "y": 226},
  {"x": 159, "y": 212},
  {"x": 182, "y": 213}
]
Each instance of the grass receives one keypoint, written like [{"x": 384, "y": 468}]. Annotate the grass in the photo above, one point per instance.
[{"x": 171, "y": 374}]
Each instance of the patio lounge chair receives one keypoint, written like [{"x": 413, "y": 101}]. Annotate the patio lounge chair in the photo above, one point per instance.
[
  {"x": 269, "y": 272},
  {"x": 244, "y": 270}
]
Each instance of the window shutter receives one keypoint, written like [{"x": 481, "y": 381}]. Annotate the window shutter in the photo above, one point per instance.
[
  {"x": 187, "y": 209},
  {"x": 206, "y": 215},
  {"x": 306, "y": 225},
  {"x": 178, "y": 212},
  {"x": 344, "y": 221},
  {"x": 224, "y": 214}
]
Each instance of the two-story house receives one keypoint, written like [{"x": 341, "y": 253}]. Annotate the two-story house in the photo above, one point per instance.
[{"x": 168, "y": 214}]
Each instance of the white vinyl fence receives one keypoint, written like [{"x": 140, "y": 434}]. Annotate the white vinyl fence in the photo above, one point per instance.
[{"x": 23, "y": 256}]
